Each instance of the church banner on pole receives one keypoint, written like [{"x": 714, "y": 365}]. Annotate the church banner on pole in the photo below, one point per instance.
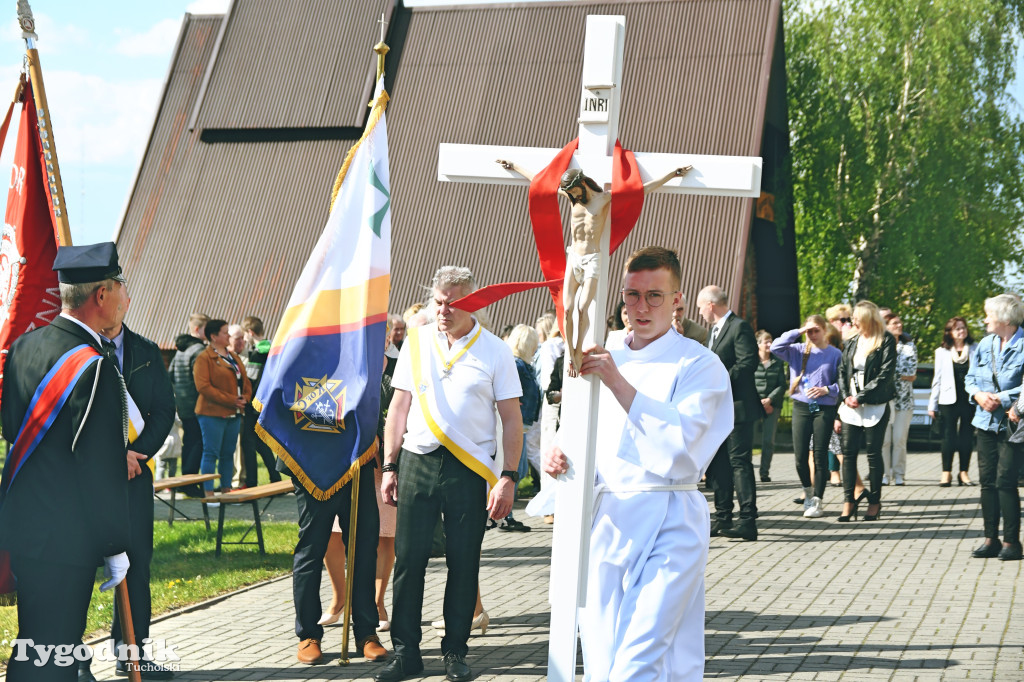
[
  {"x": 319, "y": 399},
  {"x": 29, "y": 296}
]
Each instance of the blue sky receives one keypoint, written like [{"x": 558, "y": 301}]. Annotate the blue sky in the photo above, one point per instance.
[{"x": 104, "y": 63}]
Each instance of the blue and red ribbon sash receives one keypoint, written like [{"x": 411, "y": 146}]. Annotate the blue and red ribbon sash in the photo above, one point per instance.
[{"x": 46, "y": 404}]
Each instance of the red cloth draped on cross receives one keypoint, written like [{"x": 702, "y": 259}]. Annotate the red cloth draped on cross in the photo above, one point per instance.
[{"x": 627, "y": 201}]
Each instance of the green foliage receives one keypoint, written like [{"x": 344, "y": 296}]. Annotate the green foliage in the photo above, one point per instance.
[{"x": 906, "y": 152}]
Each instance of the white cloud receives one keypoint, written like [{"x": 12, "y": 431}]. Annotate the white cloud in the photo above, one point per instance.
[
  {"x": 208, "y": 7},
  {"x": 98, "y": 121},
  {"x": 157, "y": 41},
  {"x": 54, "y": 38}
]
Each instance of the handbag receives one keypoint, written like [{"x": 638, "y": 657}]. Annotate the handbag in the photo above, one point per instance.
[{"x": 937, "y": 425}]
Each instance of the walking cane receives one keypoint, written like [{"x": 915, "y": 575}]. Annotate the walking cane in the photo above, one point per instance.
[{"x": 128, "y": 633}]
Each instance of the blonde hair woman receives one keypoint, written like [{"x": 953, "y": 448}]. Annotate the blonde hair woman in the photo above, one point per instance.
[{"x": 867, "y": 382}]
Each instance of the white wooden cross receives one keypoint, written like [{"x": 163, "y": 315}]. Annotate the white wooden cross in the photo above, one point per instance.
[{"x": 714, "y": 175}]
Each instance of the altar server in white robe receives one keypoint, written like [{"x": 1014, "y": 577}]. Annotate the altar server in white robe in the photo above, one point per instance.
[{"x": 665, "y": 408}]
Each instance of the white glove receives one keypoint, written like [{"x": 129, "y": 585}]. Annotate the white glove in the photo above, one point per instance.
[{"x": 115, "y": 568}]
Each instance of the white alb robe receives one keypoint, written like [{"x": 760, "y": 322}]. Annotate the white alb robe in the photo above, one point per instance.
[{"x": 644, "y": 618}]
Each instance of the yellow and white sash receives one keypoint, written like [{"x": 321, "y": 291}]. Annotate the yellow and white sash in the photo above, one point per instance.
[{"x": 437, "y": 413}]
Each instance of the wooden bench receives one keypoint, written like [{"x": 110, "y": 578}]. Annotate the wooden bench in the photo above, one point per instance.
[
  {"x": 173, "y": 483},
  {"x": 248, "y": 496}
]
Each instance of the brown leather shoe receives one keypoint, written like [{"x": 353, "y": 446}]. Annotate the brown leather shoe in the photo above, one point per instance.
[
  {"x": 309, "y": 651},
  {"x": 373, "y": 650}
]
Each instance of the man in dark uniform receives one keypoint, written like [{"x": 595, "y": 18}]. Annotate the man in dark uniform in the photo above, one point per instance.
[
  {"x": 732, "y": 469},
  {"x": 149, "y": 386},
  {"x": 66, "y": 508}
]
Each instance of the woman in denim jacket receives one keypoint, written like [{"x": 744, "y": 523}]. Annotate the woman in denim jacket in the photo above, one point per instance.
[{"x": 994, "y": 384}]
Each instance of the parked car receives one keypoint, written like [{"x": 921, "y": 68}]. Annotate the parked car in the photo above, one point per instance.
[{"x": 922, "y": 432}]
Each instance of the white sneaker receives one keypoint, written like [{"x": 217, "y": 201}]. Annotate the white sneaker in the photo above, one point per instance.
[
  {"x": 885, "y": 479},
  {"x": 808, "y": 504},
  {"x": 897, "y": 480},
  {"x": 814, "y": 511}
]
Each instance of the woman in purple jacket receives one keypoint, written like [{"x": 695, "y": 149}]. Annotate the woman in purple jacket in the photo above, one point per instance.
[{"x": 814, "y": 388}]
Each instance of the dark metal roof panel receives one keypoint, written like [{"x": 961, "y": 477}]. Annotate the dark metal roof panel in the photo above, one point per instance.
[
  {"x": 222, "y": 229},
  {"x": 511, "y": 75},
  {"x": 295, "y": 64},
  {"x": 225, "y": 228}
]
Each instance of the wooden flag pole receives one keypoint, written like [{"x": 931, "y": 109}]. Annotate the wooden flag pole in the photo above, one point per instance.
[
  {"x": 381, "y": 49},
  {"x": 350, "y": 561},
  {"x": 60, "y": 213},
  {"x": 35, "y": 72},
  {"x": 128, "y": 632}
]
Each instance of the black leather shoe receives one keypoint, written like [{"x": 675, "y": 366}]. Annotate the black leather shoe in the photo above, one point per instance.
[
  {"x": 986, "y": 551},
  {"x": 765, "y": 478},
  {"x": 85, "y": 674},
  {"x": 744, "y": 530},
  {"x": 1011, "y": 553},
  {"x": 398, "y": 669},
  {"x": 717, "y": 527},
  {"x": 148, "y": 670},
  {"x": 455, "y": 668}
]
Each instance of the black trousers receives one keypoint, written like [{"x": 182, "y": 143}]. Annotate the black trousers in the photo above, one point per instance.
[
  {"x": 140, "y": 554},
  {"x": 53, "y": 601},
  {"x": 998, "y": 460},
  {"x": 191, "y": 452},
  {"x": 316, "y": 519},
  {"x": 871, "y": 438},
  {"x": 818, "y": 424},
  {"x": 732, "y": 469},
  {"x": 429, "y": 485},
  {"x": 957, "y": 434},
  {"x": 252, "y": 444}
]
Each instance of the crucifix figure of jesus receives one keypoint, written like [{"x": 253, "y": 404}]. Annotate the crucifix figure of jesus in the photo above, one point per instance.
[
  {"x": 589, "y": 218},
  {"x": 598, "y": 129}
]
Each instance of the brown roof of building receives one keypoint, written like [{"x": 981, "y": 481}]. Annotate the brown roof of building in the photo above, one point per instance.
[
  {"x": 297, "y": 64},
  {"x": 225, "y": 227}
]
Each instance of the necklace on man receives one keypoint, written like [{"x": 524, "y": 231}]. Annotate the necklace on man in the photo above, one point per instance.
[{"x": 449, "y": 364}]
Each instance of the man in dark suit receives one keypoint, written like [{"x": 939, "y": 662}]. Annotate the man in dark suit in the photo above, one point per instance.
[
  {"x": 149, "y": 386},
  {"x": 66, "y": 509},
  {"x": 732, "y": 339}
]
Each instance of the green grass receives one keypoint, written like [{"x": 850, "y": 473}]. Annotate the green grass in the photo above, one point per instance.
[{"x": 185, "y": 571}]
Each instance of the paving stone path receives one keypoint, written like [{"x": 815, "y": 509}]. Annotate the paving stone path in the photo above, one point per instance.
[{"x": 898, "y": 599}]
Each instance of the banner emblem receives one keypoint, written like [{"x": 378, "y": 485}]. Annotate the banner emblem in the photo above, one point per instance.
[
  {"x": 10, "y": 265},
  {"x": 318, "y": 404}
]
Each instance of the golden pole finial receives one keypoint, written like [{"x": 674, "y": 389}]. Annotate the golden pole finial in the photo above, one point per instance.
[
  {"x": 49, "y": 145},
  {"x": 381, "y": 48}
]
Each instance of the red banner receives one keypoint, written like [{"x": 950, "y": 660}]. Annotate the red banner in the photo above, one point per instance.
[{"x": 29, "y": 295}]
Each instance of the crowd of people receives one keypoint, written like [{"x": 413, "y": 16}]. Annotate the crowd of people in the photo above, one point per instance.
[
  {"x": 848, "y": 376},
  {"x": 853, "y": 377},
  {"x": 467, "y": 417}
]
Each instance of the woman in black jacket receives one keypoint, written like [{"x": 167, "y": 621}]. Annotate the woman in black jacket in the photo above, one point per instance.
[{"x": 867, "y": 382}]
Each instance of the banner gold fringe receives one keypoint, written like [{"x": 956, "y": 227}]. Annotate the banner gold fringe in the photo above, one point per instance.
[
  {"x": 379, "y": 105},
  {"x": 298, "y": 473}
]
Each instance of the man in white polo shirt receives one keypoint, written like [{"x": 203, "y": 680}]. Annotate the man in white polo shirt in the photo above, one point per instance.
[{"x": 449, "y": 377}]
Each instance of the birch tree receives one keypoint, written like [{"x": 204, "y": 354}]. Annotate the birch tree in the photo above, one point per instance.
[{"x": 907, "y": 152}]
